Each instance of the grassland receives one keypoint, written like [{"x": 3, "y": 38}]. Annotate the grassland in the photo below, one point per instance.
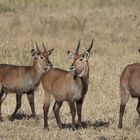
[{"x": 115, "y": 26}]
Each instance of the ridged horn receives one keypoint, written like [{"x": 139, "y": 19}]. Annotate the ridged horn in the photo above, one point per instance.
[
  {"x": 78, "y": 46},
  {"x": 44, "y": 46},
  {"x": 89, "y": 49},
  {"x": 37, "y": 48}
]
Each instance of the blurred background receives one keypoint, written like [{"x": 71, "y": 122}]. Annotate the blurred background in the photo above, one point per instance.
[{"x": 115, "y": 27}]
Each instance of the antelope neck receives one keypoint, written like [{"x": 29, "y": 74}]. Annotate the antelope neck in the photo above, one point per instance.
[
  {"x": 37, "y": 67},
  {"x": 85, "y": 72}
]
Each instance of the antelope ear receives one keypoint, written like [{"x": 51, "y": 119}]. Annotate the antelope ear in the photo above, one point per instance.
[
  {"x": 70, "y": 54},
  {"x": 50, "y": 51},
  {"x": 86, "y": 55},
  {"x": 34, "y": 53}
]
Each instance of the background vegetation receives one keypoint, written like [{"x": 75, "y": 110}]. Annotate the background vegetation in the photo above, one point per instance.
[{"x": 115, "y": 26}]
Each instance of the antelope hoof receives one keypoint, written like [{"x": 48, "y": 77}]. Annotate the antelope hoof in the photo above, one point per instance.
[
  {"x": 61, "y": 126},
  {"x": 80, "y": 125},
  {"x": 1, "y": 119},
  {"x": 46, "y": 128},
  {"x": 34, "y": 117},
  {"x": 120, "y": 126},
  {"x": 12, "y": 118},
  {"x": 73, "y": 127}
]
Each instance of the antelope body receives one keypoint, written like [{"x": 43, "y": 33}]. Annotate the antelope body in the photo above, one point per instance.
[
  {"x": 23, "y": 79},
  {"x": 129, "y": 85},
  {"x": 70, "y": 86}
]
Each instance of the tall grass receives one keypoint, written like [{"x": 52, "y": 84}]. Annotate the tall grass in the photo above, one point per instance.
[
  {"x": 16, "y": 5},
  {"x": 115, "y": 26}
]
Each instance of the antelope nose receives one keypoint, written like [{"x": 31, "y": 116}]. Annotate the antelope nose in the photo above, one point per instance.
[
  {"x": 71, "y": 68},
  {"x": 50, "y": 65}
]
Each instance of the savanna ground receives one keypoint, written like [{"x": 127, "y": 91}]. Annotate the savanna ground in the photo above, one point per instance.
[{"x": 115, "y": 26}]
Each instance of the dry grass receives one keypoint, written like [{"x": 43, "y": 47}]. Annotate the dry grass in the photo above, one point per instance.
[{"x": 114, "y": 24}]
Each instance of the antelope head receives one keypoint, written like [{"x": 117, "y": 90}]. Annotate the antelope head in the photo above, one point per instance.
[
  {"x": 80, "y": 61},
  {"x": 42, "y": 57}
]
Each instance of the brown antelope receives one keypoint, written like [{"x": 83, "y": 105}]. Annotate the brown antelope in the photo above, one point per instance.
[
  {"x": 23, "y": 79},
  {"x": 70, "y": 86},
  {"x": 129, "y": 85}
]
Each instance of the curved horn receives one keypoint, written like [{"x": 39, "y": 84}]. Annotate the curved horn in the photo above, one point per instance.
[
  {"x": 44, "y": 46},
  {"x": 37, "y": 48},
  {"x": 89, "y": 49},
  {"x": 78, "y": 46}
]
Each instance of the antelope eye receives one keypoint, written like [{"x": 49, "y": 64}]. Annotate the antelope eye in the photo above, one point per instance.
[
  {"x": 80, "y": 59},
  {"x": 41, "y": 57}
]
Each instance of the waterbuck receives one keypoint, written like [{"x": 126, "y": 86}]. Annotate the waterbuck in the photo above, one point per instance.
[
  {"x": 70, "y": 86},
  {"x": 23, "y": 79},
  {"x": 129, "y": 85}
]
